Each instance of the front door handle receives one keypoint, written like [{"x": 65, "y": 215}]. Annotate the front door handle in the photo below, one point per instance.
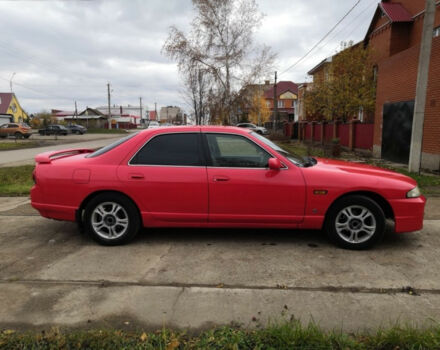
[
  {"x": 136, "y": 176},
  {"x": 220, "y": 178}
]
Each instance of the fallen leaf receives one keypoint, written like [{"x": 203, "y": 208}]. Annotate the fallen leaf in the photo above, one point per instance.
[
  {"x": 174, "y": 344},
  {"x": 144, "y": 336}
]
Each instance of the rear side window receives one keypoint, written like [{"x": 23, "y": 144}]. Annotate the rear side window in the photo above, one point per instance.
[
  {"x": 170, "y": 149},
  {"x": 111, "y": 146}
]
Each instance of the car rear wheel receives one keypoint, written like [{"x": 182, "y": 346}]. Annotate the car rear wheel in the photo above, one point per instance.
[
  {"x": 355, "y": 222},
  {"x": 111, "y": 219},
  {"x": 18, "y": 135}
]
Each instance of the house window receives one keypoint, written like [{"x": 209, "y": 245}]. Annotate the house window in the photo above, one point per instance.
[
  {"x": 361, "y": 114},
  {"x": 268, "y": 104},
  {"x": 436, "y": 32},
  {"x": 280, "y": 104},
  {"x": 375, "y": 69}
]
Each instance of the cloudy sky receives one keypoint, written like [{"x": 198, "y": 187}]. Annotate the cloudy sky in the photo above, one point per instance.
[{"x": 62, "y": 51}]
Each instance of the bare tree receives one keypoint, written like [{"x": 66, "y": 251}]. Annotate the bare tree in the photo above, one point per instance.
[
  {"x": 221, "y": 43},
  {"x": 196, "y": 89}
]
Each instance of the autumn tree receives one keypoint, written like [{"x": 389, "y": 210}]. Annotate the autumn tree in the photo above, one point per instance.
[
  {"x": 221, "y": 43},
  {"x": 348, "y": 86}
]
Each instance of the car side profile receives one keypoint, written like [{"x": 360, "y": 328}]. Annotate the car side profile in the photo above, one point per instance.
[
  {"x": 53, "y": 129},
  {"x": 258, "y": 129},
  {"x": 214, "y": 176},
  {"x": 17, "y": 130}
]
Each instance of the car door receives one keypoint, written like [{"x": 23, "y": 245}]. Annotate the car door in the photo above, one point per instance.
[
  {"x": 4, "y": 130},
  {"x": 243, "y": 190},
  {"x": 168, "y": 177}
]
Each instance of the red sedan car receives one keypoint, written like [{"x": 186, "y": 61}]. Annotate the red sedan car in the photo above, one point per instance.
[{"x": 220, "y": 177}]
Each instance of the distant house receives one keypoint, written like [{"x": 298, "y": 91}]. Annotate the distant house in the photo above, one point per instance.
[
  {"x": 123, "y": 116},
  {"x": 172, "y": 115},
  {"x": 287, "y": 96},
  {"x": 90, "y": 118},
  {"x": 9, "y": 105}
]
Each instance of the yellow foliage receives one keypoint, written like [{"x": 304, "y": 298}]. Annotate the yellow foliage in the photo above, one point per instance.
[{"x": 258, "y": 111}]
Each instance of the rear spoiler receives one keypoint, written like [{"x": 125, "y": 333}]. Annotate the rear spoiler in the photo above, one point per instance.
[{"x": 47, "y": 157}]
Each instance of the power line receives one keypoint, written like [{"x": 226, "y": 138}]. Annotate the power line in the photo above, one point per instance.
[
  {"x": 322, "y": 39},
  {"x": 344, "y": 28}
]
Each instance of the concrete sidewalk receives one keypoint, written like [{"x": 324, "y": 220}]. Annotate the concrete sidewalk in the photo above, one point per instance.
[{"x": 196, "y": 278}]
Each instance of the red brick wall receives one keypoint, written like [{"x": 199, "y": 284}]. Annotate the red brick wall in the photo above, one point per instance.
[
  {"x": 397, "y": 77},
  {"x": 431, "y": 136}
]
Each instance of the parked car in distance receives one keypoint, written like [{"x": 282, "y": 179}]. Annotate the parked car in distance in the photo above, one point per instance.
[
  {"x": 76, "y": 129},
  {"x": 54, "y": 129},
  {"x": 18, "y": 130},
  {"x": 258, "y": 129},
  {"x": 212, "y": 176},
  {"x": 153, "y": 124}
]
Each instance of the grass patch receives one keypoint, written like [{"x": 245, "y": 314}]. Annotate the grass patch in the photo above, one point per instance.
[
  {"x": 6, "y": 146},
  {"x": 16, "y": 181},
  {"x": 287, "y": 336},
  {"x": 106, "y": 131}
]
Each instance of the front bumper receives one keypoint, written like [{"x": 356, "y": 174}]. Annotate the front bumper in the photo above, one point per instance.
[{"x": 408, "y": 214}]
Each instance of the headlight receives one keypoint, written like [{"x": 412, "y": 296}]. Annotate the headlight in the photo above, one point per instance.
[{"x": 414, "y": 193}]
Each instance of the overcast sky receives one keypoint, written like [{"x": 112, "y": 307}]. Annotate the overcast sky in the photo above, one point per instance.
[{"x": 62, "y": 51}]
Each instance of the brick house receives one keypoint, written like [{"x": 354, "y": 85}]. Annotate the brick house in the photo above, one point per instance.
[
  {"x": 287, "y": 96},
  {"x": 395, "y": 35}
]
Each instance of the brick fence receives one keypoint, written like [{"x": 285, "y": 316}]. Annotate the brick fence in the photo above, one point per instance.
[{"x": 352, "y": 135}]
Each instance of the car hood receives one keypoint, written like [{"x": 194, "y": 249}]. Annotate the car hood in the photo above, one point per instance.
[{"x": 362, "y": 169}]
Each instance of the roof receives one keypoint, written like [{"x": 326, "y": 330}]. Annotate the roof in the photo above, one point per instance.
[
  {"x": 5, "y": 101},
  {"x": 282, "y": 87},
  {"x": 319, "y": 65},
  {"x": 396, "y": 12}
]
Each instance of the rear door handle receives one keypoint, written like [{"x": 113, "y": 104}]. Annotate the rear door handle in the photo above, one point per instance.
[
  {"x": 137, "y": 176},
  {"x": 220, "y": 178}
]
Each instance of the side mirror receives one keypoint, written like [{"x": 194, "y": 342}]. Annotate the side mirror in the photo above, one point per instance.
[{"x": 274, "y": 164}]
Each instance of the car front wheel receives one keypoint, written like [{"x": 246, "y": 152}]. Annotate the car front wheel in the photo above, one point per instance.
[
  {"x": 111, "y": 219},
  {"x": 355, "y": 222}
]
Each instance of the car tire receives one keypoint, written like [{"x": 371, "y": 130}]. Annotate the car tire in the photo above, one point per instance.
[
  {"x": 111, "y": 219},
  {"x": 259, "y": 132},
  {"x": 18, "y": 135},
  {"x": 355, "y": 222},
  {"x": 27, "y": 136}
]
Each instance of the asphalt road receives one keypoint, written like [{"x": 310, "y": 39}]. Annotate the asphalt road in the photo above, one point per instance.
[
  {"x": 51, "y": 275},
  {"x": 27, "y": 155}
]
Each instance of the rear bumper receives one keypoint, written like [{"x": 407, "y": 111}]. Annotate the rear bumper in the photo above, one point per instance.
[
  {"x": 51, "y": 211},
  {"x": 408, "y": 214}
]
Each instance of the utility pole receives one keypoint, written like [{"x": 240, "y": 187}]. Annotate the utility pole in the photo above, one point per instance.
[
  {"x": 415, "y": 153},
  {"x": 275, "y": 104},
  {"x": 109, "y": 110},
  {"x": 155, "y": 112},
  {"x": 76, "y": 112},
  {"x": 10, "y": 80},
  {"x": 140, "y": 106}
]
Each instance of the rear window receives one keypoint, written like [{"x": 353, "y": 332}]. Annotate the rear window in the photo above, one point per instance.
[{"x": 111, "y": 146}]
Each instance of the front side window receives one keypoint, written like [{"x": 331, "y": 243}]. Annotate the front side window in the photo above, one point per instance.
[
  {"x": 170, "y": 149},
  {"x": 234, "y": 151}
]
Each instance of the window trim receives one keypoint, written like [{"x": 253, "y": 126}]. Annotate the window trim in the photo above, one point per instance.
[
  {"x": 201, "y": 153},
  {"x": 207, "y": 153}
]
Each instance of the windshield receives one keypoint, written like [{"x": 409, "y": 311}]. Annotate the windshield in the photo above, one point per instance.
[
  {"x": 294, "y": 158},
  {"x": 111, "y": 146}
]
